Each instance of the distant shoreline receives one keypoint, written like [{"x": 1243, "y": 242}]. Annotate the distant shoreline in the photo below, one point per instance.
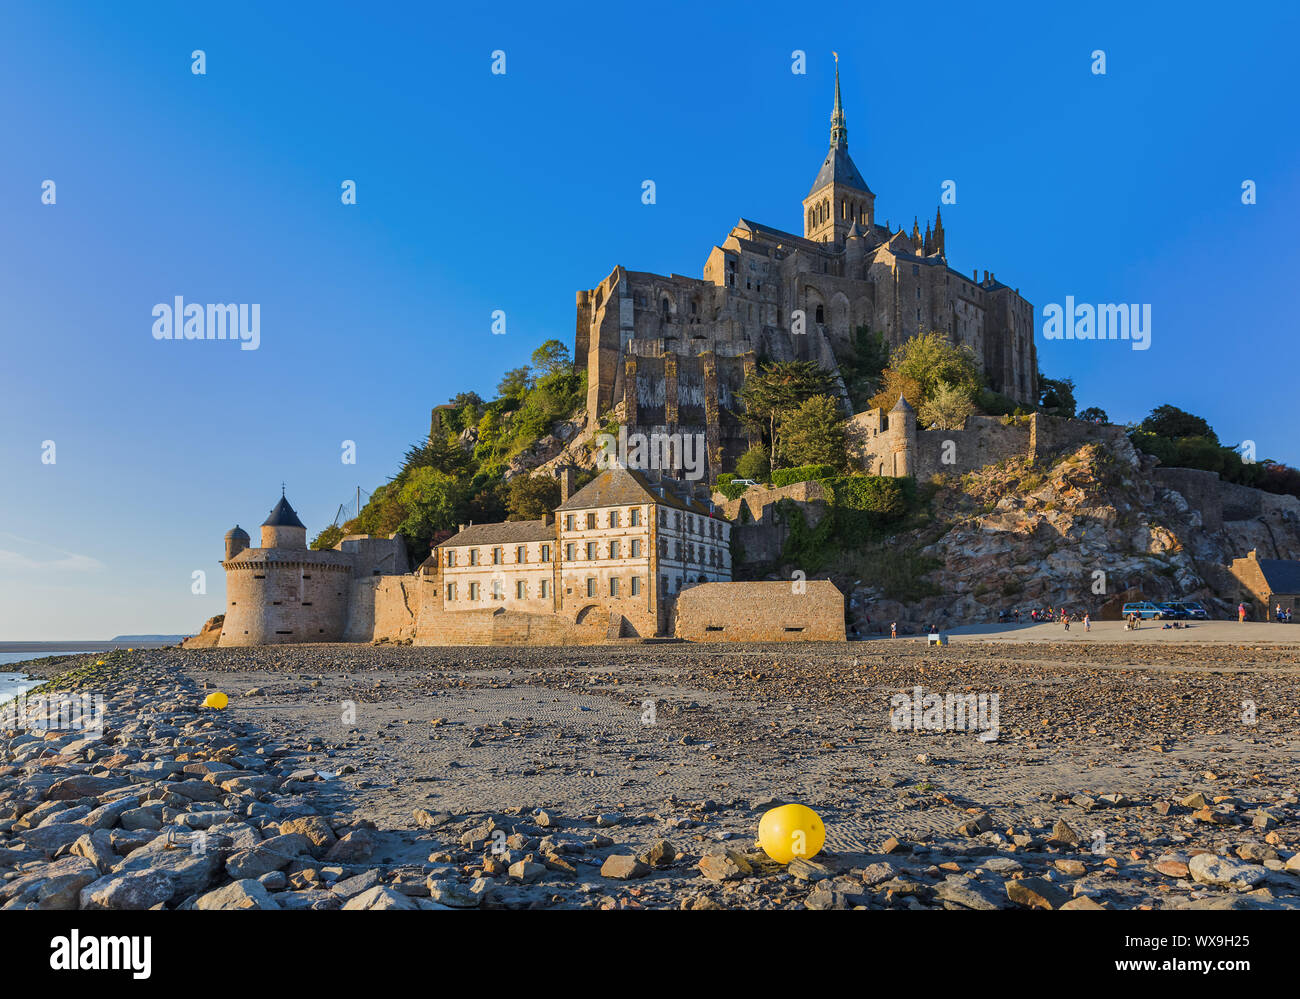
[{"x": 81, "y": 646}]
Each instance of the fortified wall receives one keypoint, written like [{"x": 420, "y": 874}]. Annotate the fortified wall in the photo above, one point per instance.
[
  {"x": 759, "y": 532},
  {"x": 891, "y": 443}
]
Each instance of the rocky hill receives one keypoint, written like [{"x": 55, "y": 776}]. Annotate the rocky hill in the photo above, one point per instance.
[{"x": 1078, "y": 530}]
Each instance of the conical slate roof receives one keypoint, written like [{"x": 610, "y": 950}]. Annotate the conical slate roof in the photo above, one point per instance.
[
  {"x": 902, "y": 406},
  {"x": 838, "y": 168},
  {"x": 237, "y": 532},
  {"x": 283, "y": 516}
]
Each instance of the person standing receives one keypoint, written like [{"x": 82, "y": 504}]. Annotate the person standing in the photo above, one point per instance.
[
  {"x": 893, "y": 629},
  {"x": 1241, "y": 613}
]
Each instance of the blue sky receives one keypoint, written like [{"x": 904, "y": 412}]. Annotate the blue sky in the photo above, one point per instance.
[{"x": 479, "y": 192}]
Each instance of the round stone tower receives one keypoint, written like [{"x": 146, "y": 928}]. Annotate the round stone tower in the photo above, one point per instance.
[
  {"x": 283, "y": 592},
  {"x": 237, "y": 540},
  {"x": 902, "y": 427},
  {"x": 283, "y": 529}
]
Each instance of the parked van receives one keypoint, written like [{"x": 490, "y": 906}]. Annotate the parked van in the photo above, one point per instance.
[{"x": 1144, "y": 609}]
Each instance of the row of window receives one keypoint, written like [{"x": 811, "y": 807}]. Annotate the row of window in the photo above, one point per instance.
[
  {"x": 689, "y": 552},
  {"x": 694, "y": 524},
  {"x": 498, "y": 589},
  {"x": 498, "y": 556},
  {"x": 615, "y": 519}
]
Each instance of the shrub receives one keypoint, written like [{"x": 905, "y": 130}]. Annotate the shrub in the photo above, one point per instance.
[
  {"x": 801, "y": 473},
  {"x": 754, "y": 464}
]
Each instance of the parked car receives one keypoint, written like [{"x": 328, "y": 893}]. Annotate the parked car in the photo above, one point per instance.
[
  {"x": 1172, "y": 610},
  {"x": 1195, "y": 611},
  {"x": 743, "y": 482},
  {"x": 1144, "y": 609}
]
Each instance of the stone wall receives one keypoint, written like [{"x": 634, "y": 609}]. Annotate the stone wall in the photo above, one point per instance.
[
  {"x": 986, "y": 440},
  {"x": 762, "y": 534},
  {"x": 760, "y": 612},
  {"x": 287, "y": 599},
  {"x": 507, "y": 627},
  {"x": 383, "y": 608}
]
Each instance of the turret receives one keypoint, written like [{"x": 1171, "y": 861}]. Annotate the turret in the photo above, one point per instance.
[
  {"x": 237, "y": 540},
  {"x": 902, "y": 422},
  {"x": 855, "y": 247},
  {"x": 283, "y": 529}
]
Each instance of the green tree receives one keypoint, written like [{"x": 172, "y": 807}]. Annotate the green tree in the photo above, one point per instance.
[
  {"x": 754, "y": 464},
  {"x": 1094, "y": 414},
  {"x": 1056, "y": 396},
  {"x": 328, "y": 538},
  {"x": 552, "y": 357},
  {"x": 814, "y": 433},
  {"x": 947, "y": 409},
  {"x": 488, "y": 504},
  {"x": 775, "y": 391},
  {"x": 439, "y": 453},
  {"x": 1171, "y": 422},
  {"x": 516, "y": 382},
  {"x": 433, "y": 501},
  {"x": 920, "y": 365},
  {"x": 528, "y": 497}
]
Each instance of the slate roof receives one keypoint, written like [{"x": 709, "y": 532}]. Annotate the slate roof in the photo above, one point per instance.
[
  {"x": 510, "y": 532},
  {"x": 838, "y": 168},
  {"x": 1281, "y": 575},
  {"x": 623, "y": 487},
  {"x": 282, "y": 515}
]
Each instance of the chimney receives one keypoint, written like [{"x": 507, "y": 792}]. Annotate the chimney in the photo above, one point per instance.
[
  {"x": 548, "y": 519},
  {"x": 566, "y": 483}
]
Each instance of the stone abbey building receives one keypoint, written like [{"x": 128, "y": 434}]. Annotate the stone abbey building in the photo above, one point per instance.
[{"x": 675, "y": 350}]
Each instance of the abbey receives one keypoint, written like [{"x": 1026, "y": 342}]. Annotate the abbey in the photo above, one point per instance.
[{"x": 674, "y": 351}]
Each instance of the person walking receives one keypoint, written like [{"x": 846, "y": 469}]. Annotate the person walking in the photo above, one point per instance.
[
  {"x": 1087, "y": 621},
  {"x": 893, "y": 629}
]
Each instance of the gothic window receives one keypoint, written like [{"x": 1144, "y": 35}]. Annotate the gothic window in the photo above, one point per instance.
[
  {"x": 667, "y": 309},
  {"x": 821, "y": 314}
]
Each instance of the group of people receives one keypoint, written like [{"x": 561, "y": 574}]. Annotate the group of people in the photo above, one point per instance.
[{"x": 1280, "y": 614}]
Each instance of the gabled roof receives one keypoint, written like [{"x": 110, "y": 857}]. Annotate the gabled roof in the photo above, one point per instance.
[
  {"x": 612, "y": 487},
  {"x": 1281, "y": 575},
  {"x": 282, "y": 515},
  {"x": 510, "y": 532},
  {"x": 623, "y": 487}
]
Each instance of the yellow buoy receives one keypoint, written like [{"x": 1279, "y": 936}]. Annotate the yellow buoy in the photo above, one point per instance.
[
  {"x": 791, "y": 831},
  {"x": 217, "y": 700}
]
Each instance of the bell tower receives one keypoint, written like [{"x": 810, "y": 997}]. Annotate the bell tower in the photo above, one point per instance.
[{"x": 839, "y": 197}]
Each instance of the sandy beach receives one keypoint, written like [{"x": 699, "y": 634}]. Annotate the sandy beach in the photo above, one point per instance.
[{"x": 1115, "y": 766}]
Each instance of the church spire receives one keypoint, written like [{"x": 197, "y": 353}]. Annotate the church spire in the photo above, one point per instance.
[{"x": 839, "y": 131}]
